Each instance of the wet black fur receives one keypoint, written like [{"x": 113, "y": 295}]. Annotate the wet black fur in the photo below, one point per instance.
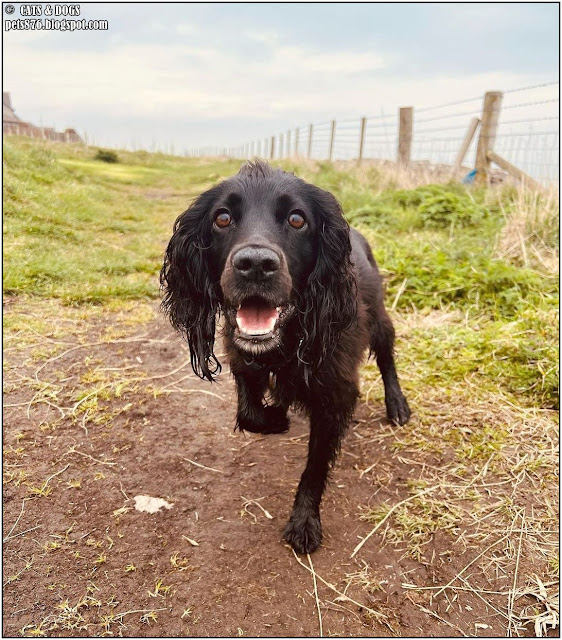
[{"x": 337, "y": 293}]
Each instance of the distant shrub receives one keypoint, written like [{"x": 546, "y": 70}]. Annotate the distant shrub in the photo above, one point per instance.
[
  {"x": 444, "y": 209},
  {"x": 441, "y": 206},
  {"x": 431, "y": 207},
  {"x": 105, "y": 155}
]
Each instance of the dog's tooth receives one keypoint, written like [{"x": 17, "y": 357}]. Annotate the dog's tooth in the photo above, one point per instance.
[{"x": 258, "y": 332}]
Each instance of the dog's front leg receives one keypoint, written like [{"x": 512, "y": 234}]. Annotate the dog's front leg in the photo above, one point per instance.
[
  {"x": 329, "y": 419},
  {"x": 252, "y": 415}
]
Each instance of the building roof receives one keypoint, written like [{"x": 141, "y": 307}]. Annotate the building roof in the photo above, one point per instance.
[
  {"x": 10, "y": 119},
  {"x": 8, "y": 114}
]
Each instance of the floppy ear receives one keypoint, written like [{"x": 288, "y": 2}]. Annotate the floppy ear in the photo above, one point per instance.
[
  {"x": 329, "y": 303},
  {"x": 190, "y": 296}
]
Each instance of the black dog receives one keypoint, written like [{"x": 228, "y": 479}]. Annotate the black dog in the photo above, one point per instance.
[{"x": 302, "y": 299}]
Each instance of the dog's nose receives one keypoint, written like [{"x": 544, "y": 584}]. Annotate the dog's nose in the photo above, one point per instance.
[{"x": 256, "y": 263}]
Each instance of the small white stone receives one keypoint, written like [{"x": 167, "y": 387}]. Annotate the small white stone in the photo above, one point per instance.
[{"x": 149, "y": 504}]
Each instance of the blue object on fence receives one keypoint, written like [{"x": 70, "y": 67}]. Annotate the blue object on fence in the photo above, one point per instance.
[{"x": 469, "y": 177}]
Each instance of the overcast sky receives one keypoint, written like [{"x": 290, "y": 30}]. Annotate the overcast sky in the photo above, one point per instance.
[{"x": 193, "y": 74}]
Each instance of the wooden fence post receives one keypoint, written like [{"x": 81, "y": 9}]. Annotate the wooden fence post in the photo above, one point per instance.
[
  {"x": 466, "y": 143},
  {"x": 405, "y": 135},
  {"x": 297, "y": 141},
  {"x": 272, "y": 148},
  {"x": 288, "y": 146},
  {"x": 310, "y": 131},
  {"x": 487, "y": 137},
  {"x": 332, "y": 136},
  {"x": 526, "y": 180},
  {"x": 362, "y": 140}
]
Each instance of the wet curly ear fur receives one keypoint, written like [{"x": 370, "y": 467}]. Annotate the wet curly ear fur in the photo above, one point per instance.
[
  {"x": 191, "y": 300},
  {"x": 329, "y": 303}
]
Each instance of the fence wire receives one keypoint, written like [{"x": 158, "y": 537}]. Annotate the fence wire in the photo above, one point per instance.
[{"x": 527, "y": 135}]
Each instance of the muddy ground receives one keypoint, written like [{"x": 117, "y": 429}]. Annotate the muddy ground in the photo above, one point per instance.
[{"x": 79, "y": 560}]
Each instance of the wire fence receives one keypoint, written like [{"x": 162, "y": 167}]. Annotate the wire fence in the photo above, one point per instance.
[{"x": 527, "y": 135}]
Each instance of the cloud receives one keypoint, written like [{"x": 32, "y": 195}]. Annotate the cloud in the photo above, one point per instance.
[
  {"x": 178, "y": 79},
  {"x": 224, "y": 79}
]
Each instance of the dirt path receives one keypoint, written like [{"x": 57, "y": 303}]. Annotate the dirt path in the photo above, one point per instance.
[{"x": 81, "y": 561}]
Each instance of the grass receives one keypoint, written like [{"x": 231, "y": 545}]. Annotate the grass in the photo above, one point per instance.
[
  {"x": 416, "y": 521},
  {"x": 83, "y": 230},
  {"x": 516, "y": 355},
  {"x": 472, "y": 284}
]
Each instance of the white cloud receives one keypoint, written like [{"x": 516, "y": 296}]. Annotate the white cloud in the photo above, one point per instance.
[
  {"x": 151, "y": 78},
  {"x": 179, "y": 82},
  {"x": 268, "y": 37},
  {"x": 299, "y": 61},
  {"x": 184, "y": 29}
]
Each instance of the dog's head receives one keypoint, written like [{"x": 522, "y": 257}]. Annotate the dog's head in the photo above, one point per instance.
[{"x": 264, "y": 247}]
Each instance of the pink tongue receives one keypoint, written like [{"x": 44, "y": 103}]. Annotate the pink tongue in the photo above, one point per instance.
[{"x": 256, "y": 318}]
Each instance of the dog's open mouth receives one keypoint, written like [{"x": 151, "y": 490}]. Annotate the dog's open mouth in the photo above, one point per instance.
[{"x": 256, "y": 318}]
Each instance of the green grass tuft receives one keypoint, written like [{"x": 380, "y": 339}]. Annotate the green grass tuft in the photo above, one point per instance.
[{"x": 106, "y": 155}]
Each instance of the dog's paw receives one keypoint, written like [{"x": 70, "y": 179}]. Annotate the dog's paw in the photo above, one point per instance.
[
  {"x": 397, "y": 409},
  {"x": 274, "y": 421},
  {"x": 303, "y": 532}
]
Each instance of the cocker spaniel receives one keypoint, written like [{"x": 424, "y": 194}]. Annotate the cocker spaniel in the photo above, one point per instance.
[{"x": 302, "y": 300}]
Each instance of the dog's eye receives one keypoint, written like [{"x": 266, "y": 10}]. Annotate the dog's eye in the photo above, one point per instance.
[
  {"x": 296, "y": 220},
  {"x": 222, "y": 218}
]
